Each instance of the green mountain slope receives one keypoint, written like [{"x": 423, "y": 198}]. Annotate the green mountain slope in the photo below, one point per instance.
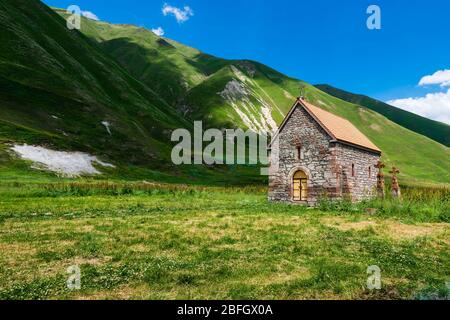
[
  {"x": 418, "y": 157},
  {"x": 168, "y": 67},
  {"x": 435, "y": 130},
  {"x": 57, "y": 82},
  {"x": 58, "y": 86},
  {"x": 178, "y": 73},
  {"x": 246, "y": 94}
]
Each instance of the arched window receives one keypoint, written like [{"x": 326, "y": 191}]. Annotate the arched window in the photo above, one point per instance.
[
  {"x": 370, "y": 172},
  {"x": 353, "y": 169},
  {"x": 299, "y": 153}
]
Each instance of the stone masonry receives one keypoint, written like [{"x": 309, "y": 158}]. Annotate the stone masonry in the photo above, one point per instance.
[{"x": 333, "y": 168}]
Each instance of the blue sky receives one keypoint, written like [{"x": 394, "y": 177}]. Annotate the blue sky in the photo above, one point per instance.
[{"x": 319, "y": 41}]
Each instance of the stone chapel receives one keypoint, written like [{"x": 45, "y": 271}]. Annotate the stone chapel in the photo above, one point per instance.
[{"x": 317, "y": 154}]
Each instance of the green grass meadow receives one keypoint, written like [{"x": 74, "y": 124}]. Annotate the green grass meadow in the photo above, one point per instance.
[
  {"x": 157, "y": 241},
  {"x": 117, "y": 92}
]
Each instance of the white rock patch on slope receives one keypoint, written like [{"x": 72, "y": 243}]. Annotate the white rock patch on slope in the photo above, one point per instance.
[
  {"x": 69, "y": 164},
  {"x": 234, "y": 90},
  {"x": 267, "y": 113},
  {"x": 242, "y": 77},
  {"x": 239, "y": 94},
  {"x": 107, "y": 125}
]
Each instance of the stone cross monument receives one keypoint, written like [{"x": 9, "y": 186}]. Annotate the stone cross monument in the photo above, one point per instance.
[
  {"x": 380, "y": 179},
  {"x": 395, "y": 186}
]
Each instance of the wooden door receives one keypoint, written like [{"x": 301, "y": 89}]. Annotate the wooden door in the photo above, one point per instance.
[
  {"x": 300, "y": 186},
  {"x": 304, "y": 189},
  {"x": 297, "y": 190}
]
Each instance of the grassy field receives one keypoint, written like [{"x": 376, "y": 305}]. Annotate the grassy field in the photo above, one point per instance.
[
  {"x": 150, "y": 241},
  {"x": 58, "y": 88}
]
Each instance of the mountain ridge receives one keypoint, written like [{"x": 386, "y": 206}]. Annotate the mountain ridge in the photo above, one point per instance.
[
  {"x": 145, "y": 86},
  {"x": 435, "y": 130}
]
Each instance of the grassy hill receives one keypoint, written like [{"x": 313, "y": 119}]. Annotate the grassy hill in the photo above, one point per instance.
[
  {"x": 418, "y": 157},
  {"x": 58, "y": 86},
  {"x": 247, "y": 94},
  {"x": 435, "y": 130}
]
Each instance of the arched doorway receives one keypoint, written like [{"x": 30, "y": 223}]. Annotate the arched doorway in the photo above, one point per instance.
[{"x": 300, "y": 186}]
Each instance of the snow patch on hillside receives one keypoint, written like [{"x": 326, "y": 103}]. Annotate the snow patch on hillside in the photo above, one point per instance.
[{"x": 68, "y": 164}]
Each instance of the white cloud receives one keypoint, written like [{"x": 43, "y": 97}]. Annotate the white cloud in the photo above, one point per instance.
[
  {"x": 435, "y": 106},
  {"x": 441, "y": 77},
  {"x": 158, "y": 31},
  {"x": 90, "y": 15},
  {"x": 182, "y": 15}
]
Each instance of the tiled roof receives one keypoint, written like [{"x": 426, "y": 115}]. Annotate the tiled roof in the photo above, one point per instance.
[
  {"x": 341, "y": 129},
  {"x": 338, "y": 128}
]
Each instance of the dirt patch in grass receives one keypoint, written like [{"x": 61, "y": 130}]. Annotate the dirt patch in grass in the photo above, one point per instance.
[
  {"x": 389, "y": 228},
  {"x": 400, "y": 231},
  {"x": 17, "y": 255},
  {"x": 126, "y": 292},
  {"x": 15, "y": 249},
  {"x": 375, "y": 127},
  {"x": 280, "y": 277},
  {"x": 54, "y": 268},
  {"x": 140, "y": 247},
  {"x": 344, "y": 225},
  {"x": 357, "y": 226},
  {"x": 89, "y": 261}
]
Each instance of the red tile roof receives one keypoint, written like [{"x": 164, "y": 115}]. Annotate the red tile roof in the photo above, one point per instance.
[{"x": 338, "y": 128}]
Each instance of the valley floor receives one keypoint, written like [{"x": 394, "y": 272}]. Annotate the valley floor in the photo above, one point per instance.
[{"x": 200, "y": 243}]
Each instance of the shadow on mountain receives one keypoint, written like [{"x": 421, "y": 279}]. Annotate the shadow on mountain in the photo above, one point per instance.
[
  {"x": 208, "y": 64},
  {"x": 164, "y": 43},
  {"x": 149, "y": 66}
]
